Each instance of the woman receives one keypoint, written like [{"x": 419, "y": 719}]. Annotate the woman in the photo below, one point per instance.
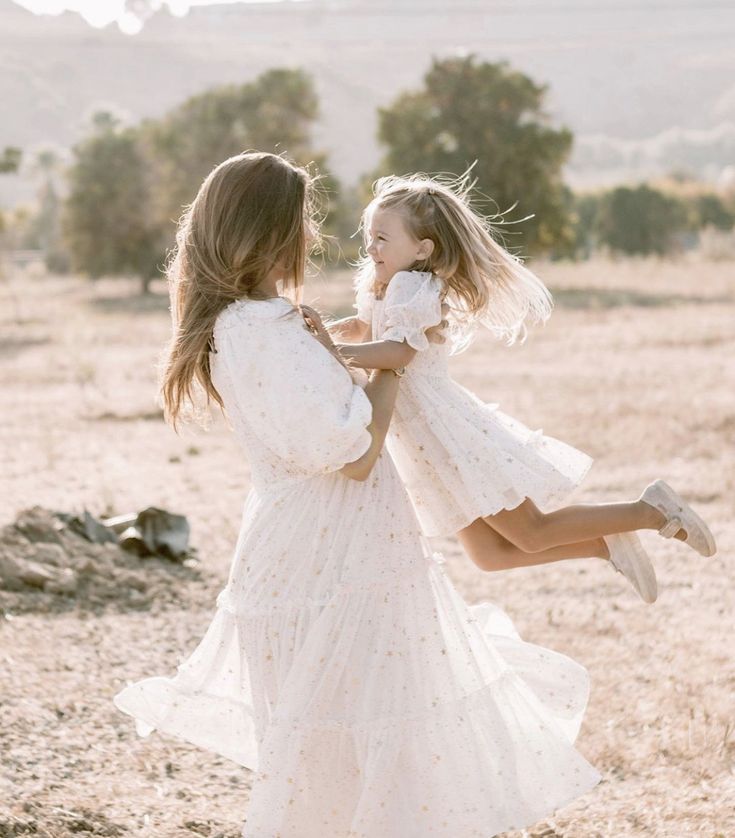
[{"x": 340, "y": 665}]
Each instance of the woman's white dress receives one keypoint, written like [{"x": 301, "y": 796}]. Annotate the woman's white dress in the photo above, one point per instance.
[
  {"x": 341, "y": 665},
  {"x": 459, "y": 457}
]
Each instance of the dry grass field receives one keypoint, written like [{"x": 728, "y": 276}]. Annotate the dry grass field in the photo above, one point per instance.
[{"x": 636, "y": 367}]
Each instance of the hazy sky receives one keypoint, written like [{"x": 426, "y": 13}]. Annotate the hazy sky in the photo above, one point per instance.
[{"x": 102, "y": 12}]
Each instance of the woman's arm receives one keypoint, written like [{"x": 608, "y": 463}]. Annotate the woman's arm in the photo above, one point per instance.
[{"x": 382, "y": 390}]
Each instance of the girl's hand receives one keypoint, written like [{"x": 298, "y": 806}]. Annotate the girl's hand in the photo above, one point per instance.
[{"x": 436, "y": 333}]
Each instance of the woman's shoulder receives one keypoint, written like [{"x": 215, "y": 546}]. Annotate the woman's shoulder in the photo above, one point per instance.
[
  {"x": 258, "y": 329},
  {"x": 245, "y": 311}
]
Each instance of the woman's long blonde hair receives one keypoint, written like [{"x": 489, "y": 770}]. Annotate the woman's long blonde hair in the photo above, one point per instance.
[
  {"x": 253, "y": 212},
  {"x": 484, "y": 283}
]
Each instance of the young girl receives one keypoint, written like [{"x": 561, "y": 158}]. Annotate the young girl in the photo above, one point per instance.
[{"x": 470, "y": 468}]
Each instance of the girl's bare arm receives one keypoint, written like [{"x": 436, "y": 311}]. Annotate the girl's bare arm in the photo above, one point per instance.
[
  {"x": 385, "y": 354},
  {"x": 377, "y": 354},
  {"x": 350, "y": 329}
]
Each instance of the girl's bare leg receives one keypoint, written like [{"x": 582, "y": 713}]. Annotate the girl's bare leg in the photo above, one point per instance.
[
  {"x": 533, "y": 531},
  {"x": 491, "y": 551}
]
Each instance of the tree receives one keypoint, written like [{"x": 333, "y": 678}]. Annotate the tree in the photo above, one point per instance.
[
  {"x": 46, "y": 166},
  {"x": 130, "y": 186},
  {"x": 10, "y": 159},
  {"x": 490, "y": 113},
  {"x": 106, "y": 219},
  {"x": 275, "y": 112},
  {"x": 586, "y": 208},
  {"x": 710, "y": 211},
  {"x": 640, "y": 220}
]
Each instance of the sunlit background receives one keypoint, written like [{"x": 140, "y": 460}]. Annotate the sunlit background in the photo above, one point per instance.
[
  {"x": 129, "y": 16},
  {"x": 609, "y": 126}
]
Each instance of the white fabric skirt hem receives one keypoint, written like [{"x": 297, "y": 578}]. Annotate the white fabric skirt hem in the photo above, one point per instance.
[
  {"x": 401, "y": 712},
  {"x": 484, "y": 764},
  {"x": 468, "y": 460},
  {"x": 547, "y": 498}
]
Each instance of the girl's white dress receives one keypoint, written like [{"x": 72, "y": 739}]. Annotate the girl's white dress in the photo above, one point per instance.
[
  {"x": 459, "y": 458},
  {"x": 340, "y": 664}
]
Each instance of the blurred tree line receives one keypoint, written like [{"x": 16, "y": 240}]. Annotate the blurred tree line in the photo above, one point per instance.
[
  {"x": 642, "y": 220},
  {"x": 127, "y": 185}
]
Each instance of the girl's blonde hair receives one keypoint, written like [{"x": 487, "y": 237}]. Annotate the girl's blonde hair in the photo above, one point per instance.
[
  {"x": 484, "y": 283},
  {"x": 253, "y": 212}
]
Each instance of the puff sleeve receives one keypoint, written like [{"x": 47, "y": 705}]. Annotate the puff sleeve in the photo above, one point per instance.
[
  {"x": 412, "y": 304},
  {"x": 291, "y": 392}
]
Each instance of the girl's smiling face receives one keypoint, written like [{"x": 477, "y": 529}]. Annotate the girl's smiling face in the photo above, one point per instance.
[{"x": 391, "y": 245}]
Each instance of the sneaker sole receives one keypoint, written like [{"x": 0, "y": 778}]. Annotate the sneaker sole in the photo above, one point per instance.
[{"x": 640, "y": 571}]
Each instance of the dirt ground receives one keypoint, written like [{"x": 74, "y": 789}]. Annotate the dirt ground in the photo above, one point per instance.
[{"x": 636, "y": 367}]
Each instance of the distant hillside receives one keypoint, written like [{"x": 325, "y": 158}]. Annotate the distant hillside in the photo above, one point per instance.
[{"x": 623, "y": 75}]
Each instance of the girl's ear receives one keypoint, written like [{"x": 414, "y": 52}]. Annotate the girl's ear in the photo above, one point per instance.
[{"x": 426, "y": 248}]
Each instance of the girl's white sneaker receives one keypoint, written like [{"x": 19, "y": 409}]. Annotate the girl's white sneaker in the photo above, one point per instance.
[
  {"x": 679, "y": 516},
  {"x": 628, "y": 557}
]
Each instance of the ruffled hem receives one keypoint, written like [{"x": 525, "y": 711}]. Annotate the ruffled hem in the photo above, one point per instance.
[
  {"x": 546, "y": 497},
  {"x": 381, "y": 711},
  {"x": 458, "y": 469},
  {"x": 156, "y": 704},
  {"x": 476, "y": 766}
]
